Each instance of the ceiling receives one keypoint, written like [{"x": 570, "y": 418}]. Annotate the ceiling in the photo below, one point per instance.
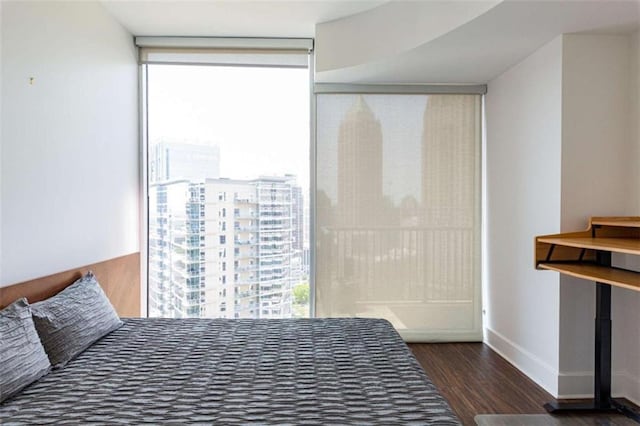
[
  {"x": 483, "y": 48},
  {"x": 231, "y": 18},
  {"x": 477, "y": 46}
]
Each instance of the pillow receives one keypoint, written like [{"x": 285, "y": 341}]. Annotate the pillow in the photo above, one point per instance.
[
  {"x": 72, "y": 320},
  {"x": 22, "y": 357}
]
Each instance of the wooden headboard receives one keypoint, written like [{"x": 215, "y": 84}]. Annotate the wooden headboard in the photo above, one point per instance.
[{"x": 119, "y": 278}]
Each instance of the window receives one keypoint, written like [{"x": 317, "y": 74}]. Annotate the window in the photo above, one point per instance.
[
  {"x": 397, "y": 196},
  {"x": 398, "y": 211},
  {"x": 228, "y": 130}
]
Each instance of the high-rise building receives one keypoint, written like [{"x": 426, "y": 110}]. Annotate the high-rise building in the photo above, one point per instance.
[
  {"x": 306, "y": 241},
  {"x": 159, "y": 265},
  {"x": 449, "y": 143},
  {"x": 354, "y": 227},
  {"x": 223, "y": 248},
  {"x": 359, "y": 166},
  {"x": 450, "y": 201},
  {"x": 177, "y": 160},
  {"x": 297, "y": 210}
]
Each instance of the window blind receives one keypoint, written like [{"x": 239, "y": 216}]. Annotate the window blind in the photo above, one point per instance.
[
  {"x": 282, "y": 53},
  {"x": 398, "y": 211}
]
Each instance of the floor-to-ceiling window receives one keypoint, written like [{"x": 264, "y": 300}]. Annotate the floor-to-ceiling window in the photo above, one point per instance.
[
  {"x": 393, "y": 229},
  {"x": 228, "y": 137}
]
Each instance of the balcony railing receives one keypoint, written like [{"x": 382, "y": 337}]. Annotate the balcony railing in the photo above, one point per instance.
[
  {"x": 245, "y": 215},
  {"x": 251, "y": 229},
  {"x": 244, "y": 200},
  {"x": 251, "y": 268},
  {"x": 434, "y": 264},
  {"x": 239, "y": 242},
  {"x": 250, "y": 254}
]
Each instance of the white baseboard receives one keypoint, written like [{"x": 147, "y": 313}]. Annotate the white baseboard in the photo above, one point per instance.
[
  {"x": 579, "y": 384},
  {"x": 575, "y": 384},
  {"x": 627, "y": 386},
  {"x": 536, "y": 369},
  {"x": 563, "y": 385}
]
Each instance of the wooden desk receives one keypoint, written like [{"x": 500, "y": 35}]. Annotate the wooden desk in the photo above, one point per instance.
[{"x": 587, "y": 255}]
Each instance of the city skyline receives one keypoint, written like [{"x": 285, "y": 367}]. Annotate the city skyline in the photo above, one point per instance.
[
  {"x": 401, "y": 130},
  {"x": 236, "y": 247},
  {"x": 228, "y": 183},
  {"x": 224, "y": 248}
]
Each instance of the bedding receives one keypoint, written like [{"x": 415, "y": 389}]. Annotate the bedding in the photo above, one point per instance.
[
  {"x": 73, "y": 319},
  {"x": 243, "y": 371},
  {"x": 22, "y": 357}
]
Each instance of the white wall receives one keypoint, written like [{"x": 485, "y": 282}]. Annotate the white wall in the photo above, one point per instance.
[
  {"x": 1, "y": 84},
  {"x": 598, "y": 179},
  {"x": 523, "y": 157},
  {"x": 590, "y": 168},
  {"x": 69, "y": 170},
  {"x": 626, "y": 305},
  {"x": 635, "y": 104}
]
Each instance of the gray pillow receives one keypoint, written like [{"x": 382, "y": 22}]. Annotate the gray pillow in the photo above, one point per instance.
[
  {"x": 72, "y": 320},
  {"x": 22, "y": 357}
]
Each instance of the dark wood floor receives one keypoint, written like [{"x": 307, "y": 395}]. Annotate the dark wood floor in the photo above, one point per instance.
[{"x": 476, "y": 380}]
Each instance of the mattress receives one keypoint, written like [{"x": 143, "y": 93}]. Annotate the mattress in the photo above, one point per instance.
[{"x": 215, "y": 371}]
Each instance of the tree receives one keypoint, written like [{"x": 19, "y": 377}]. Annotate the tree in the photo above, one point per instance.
[{"x": 301, "y": 294}]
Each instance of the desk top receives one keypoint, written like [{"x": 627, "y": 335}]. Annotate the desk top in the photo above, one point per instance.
[
  {"x": 575, "y": 253},
  {"x": 617, "y": 245}
]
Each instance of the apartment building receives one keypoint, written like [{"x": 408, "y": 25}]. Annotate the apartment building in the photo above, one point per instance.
[{"x": 224, "y": 248}]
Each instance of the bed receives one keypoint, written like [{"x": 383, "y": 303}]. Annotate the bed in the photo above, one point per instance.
[{"x": 242, "y": 371}]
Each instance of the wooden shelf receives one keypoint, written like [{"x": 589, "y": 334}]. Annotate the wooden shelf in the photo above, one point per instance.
[
  {"x": 586, "y": 254},
  {"x": 627, "y": 222},
  {"x": 617, "y": 245},
  {"x": 603, "y": 274}
]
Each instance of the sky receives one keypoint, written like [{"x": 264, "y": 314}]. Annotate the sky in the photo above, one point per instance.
[
  {"x": 258, "y": 117},
  {"x": 401, "y": 119}
]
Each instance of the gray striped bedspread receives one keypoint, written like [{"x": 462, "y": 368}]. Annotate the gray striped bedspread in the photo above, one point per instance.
[{"x": 213, "y": 371}]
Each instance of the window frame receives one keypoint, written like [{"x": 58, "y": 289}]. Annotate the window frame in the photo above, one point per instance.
[{"x": 143, "y": 148}]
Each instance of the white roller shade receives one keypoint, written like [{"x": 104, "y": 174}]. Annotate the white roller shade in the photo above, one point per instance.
[
  {"x": 284, "y": 53},
  {"x": 398, "y": 212}
]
